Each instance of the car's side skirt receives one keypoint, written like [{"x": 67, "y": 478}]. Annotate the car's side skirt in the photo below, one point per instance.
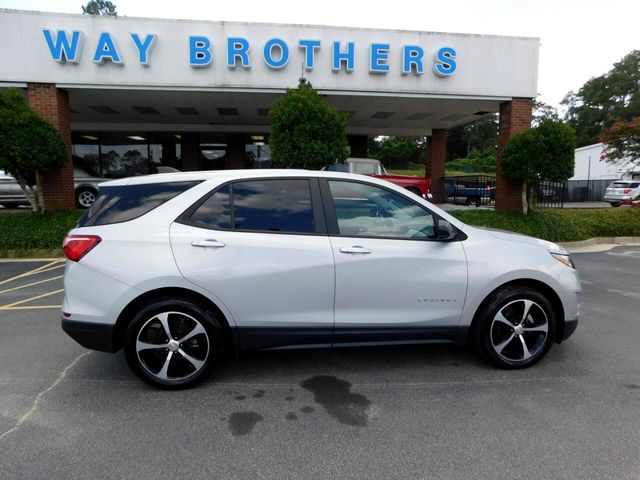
[{"x": 277, "y": 338}]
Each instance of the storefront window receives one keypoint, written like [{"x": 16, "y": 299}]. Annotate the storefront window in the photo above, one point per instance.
[
  {"x": 165, "y": 150},
  {"x": 213, "y": 152},
  {"x": 86, "y": 154},
  {"x": 124, "y": 155},
  {"x": 257, "y": 152}
]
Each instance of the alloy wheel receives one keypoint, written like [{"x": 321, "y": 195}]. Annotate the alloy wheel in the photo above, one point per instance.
[
  {"x": 86, "y": 198},
  {"x": 172, "y": 346},
  {"x": 519, "y": 331}
]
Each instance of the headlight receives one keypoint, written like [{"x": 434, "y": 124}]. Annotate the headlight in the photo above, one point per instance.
[{"x": 564, "y": 258}]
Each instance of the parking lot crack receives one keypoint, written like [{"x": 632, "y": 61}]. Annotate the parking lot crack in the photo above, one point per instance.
[{"x": 41, "y": 394}]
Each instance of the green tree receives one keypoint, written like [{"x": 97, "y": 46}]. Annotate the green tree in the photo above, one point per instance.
[
  {"x": 542, "y": 111},
  {"x": 29, "y": 146},
  {"x": 305, "y": 131},
  {"x": 480, "y": 135},
  {"x": 398, "y": 152},
  {"x": 603, "y": 100},
  {"x": 545, "y": 152},
  {"x": 100, "y": 7},
  {"x": 622, "y": 142}
]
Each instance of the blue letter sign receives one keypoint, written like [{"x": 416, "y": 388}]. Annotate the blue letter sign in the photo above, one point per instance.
[
  {"x": 106, "y": 49},
  {"x": 237, "y": 48},
  {"x": 347, "y": 57},
  {"x": 445, "y": 62},
  {"x": 379, "y": 58},
  {"x": 268, "y": 53},
  {"x": 412, "y": 57},
  {"x": 199, "y": 51},
  {"x": 62, "y": 49},
  {"x": 144, "y": 47},
  {"x": 310, "y": 47}
]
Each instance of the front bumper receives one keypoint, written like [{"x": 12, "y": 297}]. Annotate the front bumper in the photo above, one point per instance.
[
  {"x": 94, "y": 336},
  {"x": 569, "y": 328}
]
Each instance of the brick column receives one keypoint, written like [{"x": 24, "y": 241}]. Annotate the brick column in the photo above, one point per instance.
[
  {"x": 189, "y": 152},
  {"x": 52, "y": 104},
  {"x": 358, "y": 144},
  {"x": 436, "y": 158},
  {"x": 236, "y": 157},
  {"x": 515, "y": 117}
]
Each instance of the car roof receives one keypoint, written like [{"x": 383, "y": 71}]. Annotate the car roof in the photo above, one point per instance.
[{"x": 226, "y": 175}]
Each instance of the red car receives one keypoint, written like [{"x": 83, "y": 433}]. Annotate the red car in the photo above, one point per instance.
[{"x": 368, "y": 166}]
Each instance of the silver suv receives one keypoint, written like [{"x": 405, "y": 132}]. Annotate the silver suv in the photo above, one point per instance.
[
  {"x": 177, "y": 268},
  {"x": 622, "y": 192}
]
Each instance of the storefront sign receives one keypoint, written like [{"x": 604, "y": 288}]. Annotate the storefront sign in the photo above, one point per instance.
[{"x": 275, "y": 53}]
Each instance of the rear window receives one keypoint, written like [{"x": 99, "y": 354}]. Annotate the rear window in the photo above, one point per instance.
[
  {"x": 625, "y": 184},
  {"x": 124, "y": 203}
]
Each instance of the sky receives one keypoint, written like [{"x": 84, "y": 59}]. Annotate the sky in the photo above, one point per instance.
[{"x": 579, "y": 39}]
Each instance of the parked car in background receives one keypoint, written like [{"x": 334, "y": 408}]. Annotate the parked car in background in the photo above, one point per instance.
[
  {"x": 193, "y": 264},
  {"x": 622, "y": 192},
  {"x": 85, "y": 185},
  {"x": 472, "y": 190},
  {"x": 11, "y": 195},
  {"x": 369, "y": 166}
]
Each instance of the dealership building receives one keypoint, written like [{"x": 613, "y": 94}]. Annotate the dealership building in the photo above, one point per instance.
[{"x": 129, "y": 94}]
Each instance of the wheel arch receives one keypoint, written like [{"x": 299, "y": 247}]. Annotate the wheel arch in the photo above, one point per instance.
[
  {"x": 231, "y": 341},
  {"x": 542, "y": 287}
]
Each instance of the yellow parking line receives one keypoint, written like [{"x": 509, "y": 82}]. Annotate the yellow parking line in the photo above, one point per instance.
[
  {"x": 40, "y": 269},
  {"x": 31, "y": 284},
  {"x": 10, "y": 305},
  {"x": 37, "y": 307}
]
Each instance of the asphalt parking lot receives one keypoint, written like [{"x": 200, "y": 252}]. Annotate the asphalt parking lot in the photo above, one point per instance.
[{"x": 410, "y": 412}]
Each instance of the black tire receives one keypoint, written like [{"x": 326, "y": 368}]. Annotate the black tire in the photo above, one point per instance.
[
  {"x": 490, "y": 333},
  {"x": 472, "y": 201},
  {"x": 615, "y": 204},
  {"x": 205, "y": 347},
  {"x": 85, "y": 197},
  {"x": 415, "y": 191}
]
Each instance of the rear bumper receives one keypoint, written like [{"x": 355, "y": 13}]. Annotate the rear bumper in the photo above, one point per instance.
[
  {"x": 626, "y": 199},
  {"x": 94, "y": 336}
]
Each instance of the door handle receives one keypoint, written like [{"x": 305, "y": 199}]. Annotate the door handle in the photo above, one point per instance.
[
  {"x": 355, "y": 249},
  {"x": 208, "y": 243}
]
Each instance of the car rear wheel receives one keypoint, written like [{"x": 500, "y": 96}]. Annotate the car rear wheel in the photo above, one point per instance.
[
  {"x": 173, "y": 344},
  {"x": 516, "y": 327},
  {"x": 472, "y": 201},
  {"x": 85, "y": 197},
  {"x": 615, "y": 204}
]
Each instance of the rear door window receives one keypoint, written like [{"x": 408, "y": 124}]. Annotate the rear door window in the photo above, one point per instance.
[
  {"x": 125, "y": 202},
  {"x": 269, "y": 205}
]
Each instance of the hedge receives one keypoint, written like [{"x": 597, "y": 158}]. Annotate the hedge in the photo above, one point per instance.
[
  {"x": 560, "y": 225},
  {"x": 26, "y": 234},
  {"x": 25, "y": 231}
]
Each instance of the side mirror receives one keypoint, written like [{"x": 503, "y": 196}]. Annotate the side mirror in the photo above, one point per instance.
[{"x": 445, "y": 232}]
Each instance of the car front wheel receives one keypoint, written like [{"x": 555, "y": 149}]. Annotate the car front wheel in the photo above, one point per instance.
[
  {"x": 516, "y": 327},
  {"x": 173, "y": 344}
]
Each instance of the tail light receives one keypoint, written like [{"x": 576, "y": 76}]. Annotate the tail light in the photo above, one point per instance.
[
  {"x": 627, "y": 190},
  {"x": 77, "y": 246}
]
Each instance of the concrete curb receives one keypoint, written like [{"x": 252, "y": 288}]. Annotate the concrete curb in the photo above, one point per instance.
[{"x": 600, "y": 244}]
